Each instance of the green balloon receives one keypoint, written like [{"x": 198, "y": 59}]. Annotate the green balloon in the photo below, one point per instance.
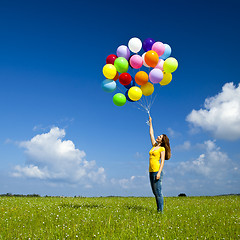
[
  {"x": 119, "y": 99},
  {"x": 170, "y": 65},
  {"x": 121, "y": 64}
]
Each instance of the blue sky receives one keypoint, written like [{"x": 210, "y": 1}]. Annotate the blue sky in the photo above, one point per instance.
[{"x": 62, "y": 135}]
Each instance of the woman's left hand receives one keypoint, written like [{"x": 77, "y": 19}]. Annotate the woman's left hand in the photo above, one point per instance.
[{"x": 158, "y": 176}]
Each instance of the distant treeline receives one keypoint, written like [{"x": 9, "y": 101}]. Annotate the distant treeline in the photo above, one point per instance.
[
  {"x": 19, "y": 195},
  {"x": 30, "y": 195},
  {"x": 37, "y": 195}
]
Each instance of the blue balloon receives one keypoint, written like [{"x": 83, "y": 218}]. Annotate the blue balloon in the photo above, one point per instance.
[
  {"x": 167, "y": 52},
  {"x": 109, "y": 85},
  {"x": 127, "y": 97},
  {"x": 131, "y": 84}
]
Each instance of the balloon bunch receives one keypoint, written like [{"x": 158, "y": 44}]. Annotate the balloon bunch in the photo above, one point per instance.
[{"x": 156, "y": 58}]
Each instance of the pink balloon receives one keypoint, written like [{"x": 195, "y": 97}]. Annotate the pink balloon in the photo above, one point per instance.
[
  {"x": 160, "y": 64},
  {"x": 159, "y": 48},
  {"x": 136, "y": 61}
]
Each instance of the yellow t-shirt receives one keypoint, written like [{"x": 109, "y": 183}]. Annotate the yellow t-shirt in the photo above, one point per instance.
[{"x": 154, "y": 157}]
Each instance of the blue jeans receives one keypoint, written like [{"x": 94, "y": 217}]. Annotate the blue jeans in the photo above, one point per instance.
[{"x": 157, "y": 189}]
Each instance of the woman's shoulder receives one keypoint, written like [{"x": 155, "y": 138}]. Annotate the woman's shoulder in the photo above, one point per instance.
[{"x": 162, "y": 149}]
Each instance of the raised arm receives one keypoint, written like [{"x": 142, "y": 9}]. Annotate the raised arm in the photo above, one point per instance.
[{"x": 151, "y": 131}]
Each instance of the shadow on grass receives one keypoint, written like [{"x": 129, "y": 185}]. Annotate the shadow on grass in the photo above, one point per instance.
[
  {"x": 69, "y": 205},
  {"x": 95, "y": 206},
  {"x": 136, "y": 208}
]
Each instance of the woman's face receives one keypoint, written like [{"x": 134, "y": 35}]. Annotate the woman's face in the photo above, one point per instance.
[{"x": 159, "y": 139}]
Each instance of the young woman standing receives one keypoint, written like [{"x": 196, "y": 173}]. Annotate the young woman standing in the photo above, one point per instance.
[{"x": 160, "y": 151}]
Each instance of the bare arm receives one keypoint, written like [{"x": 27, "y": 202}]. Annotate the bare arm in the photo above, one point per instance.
[
  {"x": 161, "y": 165},
  {"x": 151, "y": 131}
]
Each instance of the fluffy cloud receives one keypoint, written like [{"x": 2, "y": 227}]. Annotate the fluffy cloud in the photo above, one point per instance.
[
  {"x": 212, "y": 164},
  {"x": 185, "y": 146},
  {"x": 221, "y": 114},
  {"x": 209, "y": 173},
  {"x": 131, "y": 183},
  {"x": 51, "y": 158}
]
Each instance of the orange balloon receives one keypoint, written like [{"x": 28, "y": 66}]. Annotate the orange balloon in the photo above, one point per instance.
[
  {"x": 151, "y": 58},
  {"x": 141, "y": 77}
]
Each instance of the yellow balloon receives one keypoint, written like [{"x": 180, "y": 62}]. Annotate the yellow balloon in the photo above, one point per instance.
[
  {"x": 167, "y": 78},
  {"x": 134, "y": 93},
  {"x": 109, "y": 71},
  {"x": 147, "y": 89}
]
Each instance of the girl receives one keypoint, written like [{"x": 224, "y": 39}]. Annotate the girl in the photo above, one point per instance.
[{"x": 160, "y": 150}]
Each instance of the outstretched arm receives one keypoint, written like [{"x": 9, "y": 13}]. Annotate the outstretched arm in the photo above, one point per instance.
[{"x": 151, "y": 131}]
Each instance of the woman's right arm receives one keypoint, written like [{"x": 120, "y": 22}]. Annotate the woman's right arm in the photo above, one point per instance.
[{"x": 151, "y": 131}]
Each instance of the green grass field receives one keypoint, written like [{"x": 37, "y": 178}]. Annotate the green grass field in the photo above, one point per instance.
[{"x": 119, "y": 218}]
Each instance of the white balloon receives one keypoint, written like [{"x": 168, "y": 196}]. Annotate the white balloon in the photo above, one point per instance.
[
  {"x": 135, "y": 45},
  {"x": 144, "y": 63}
]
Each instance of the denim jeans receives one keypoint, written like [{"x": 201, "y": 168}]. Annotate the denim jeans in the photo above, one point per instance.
[{"x": 157, "y": 189}]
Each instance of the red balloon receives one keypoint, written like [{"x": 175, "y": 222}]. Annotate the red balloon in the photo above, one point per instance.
[
  {"x": 111, "y": 59},
  {"x": 125, "y": 78}
]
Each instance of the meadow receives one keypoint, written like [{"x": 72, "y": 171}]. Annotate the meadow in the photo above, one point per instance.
[{"x": 119, "y": 218}]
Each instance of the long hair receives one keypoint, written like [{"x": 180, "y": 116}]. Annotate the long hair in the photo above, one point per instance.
[{"x": 165, "y": 143}]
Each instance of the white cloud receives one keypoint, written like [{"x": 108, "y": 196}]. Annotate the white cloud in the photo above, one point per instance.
[
  {"x": 210, "y": 172},
  {"x": 51, "y": 158},
  {"x": 173, "y": 133},
  {"x": 213, "y": 163},
  {"x": 221, "y": 114},
  {"x": 30, "y": 171},
  {"x": 131, "y": 183},
  {"x": 185, "y": 146}
]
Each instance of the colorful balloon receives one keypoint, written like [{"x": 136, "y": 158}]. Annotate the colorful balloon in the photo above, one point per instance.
[
  {"x": 141, "y": 77},
  {"x": 143, "y": 58},
  {"x": 147, "y": 89},
  {"x": 127, "y": 97},
  {"x": 119, "y": 99},
  {"x": 121, "y": 64},
  {"x": 135, "y": 44},
  {"x": 167, "y": 78},
  {"x": 130, "y": 85},
  {"x": 170, "y": 65},
  {"x": 147, "y": 44},
  {"x": 111, "y": 59},
  {"x": 109, "y": 71},
  {"x": 151, "y": 58},
  {"x": 156, "y": 56},
  {"x": 156, "y": 75},
  {"x": 167, "y": 52},
  {"x": 136, "y": 61},
  {"x": 159, "y": 48},
  {"x": 125, "y": 78},
  {"x": 109, "y": 85},
  {"x": 123, "y": 51},
  {"x": 160, "y": 64},
  {"x": 135, "y": 93}
]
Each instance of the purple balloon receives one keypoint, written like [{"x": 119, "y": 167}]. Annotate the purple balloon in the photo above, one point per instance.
[
  {"x": 123, "y": 51},
  {"x": 156, "y": 75},
  {"x": 147, "y": 44}
]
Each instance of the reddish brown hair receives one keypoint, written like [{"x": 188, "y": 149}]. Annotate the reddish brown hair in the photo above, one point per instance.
[{"x": 165, "y": 143}]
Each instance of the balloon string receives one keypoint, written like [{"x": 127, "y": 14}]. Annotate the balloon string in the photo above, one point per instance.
[{"x": 120, "y": 89}]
